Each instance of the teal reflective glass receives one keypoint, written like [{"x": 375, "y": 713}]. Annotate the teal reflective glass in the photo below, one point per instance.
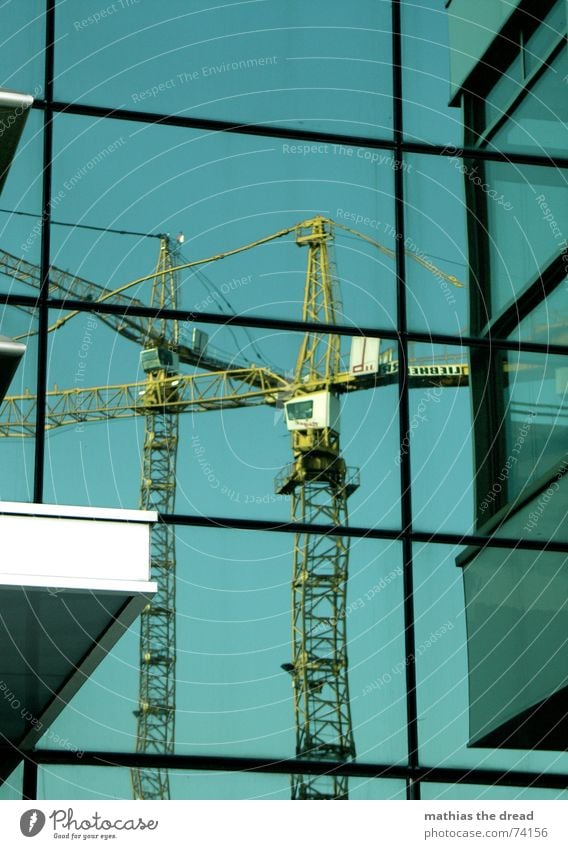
[
  {"x": 246, "y": 62},
  {"x": 234, "y": 441},
  {"x": 20, "y": 213},
  {"x": 517, "y": 613},
  {"x": 538, "y": 124},
  {"x": 546, "y": 323},
  {"x": 18, "y": 409},
  {"x": 537, "y": 420},
  {"x": 441, "y": 792},
  {"x": 525, "y": 108},
  {"x": 23, "y": 45},
  {"x": 234, "y": 631},
  {"x": 442, "y": 668},
  {"x": 440, "y": 438},
  {"x": 426, "y": 75},
  {"x": 520, "y": 436},
  {"x": 223, "y": 191},
  {"x": 11, "y": 788},
  {"x": 509, "y": 85},
  {"x": 81, "y": 782},
  {"x": 436, "y": 261},
  {"x": 538, "y": 46},
  {"x": 468, "y": 476},
  {"x": 527, "y": 222}
]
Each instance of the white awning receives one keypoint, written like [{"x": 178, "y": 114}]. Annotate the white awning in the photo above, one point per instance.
[{"x": 72, "y": 580}]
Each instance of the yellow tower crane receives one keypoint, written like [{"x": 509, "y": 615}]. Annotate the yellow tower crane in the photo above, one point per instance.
[
  {"x": 319, "y": 484},
  {"x": 157, "y": 691},
  {"x": 318, "y": 480}
]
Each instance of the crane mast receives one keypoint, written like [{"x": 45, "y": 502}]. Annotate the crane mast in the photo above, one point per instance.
[
  {"x": 319, "y": 484},
  {"x": 156, "y": 700}
]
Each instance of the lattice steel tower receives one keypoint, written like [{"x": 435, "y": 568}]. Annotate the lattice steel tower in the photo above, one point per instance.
[
  {"x": 319, "y": 484},
  {"x": 156, "y": 699}
]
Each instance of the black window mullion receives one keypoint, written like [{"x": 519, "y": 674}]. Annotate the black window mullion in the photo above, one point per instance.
[
  {"x": 294, "y": 325},
  {"x": 262, "y": 130},
  {"x": 43, "y": 317},
  {"x": 412, "y": 787}
]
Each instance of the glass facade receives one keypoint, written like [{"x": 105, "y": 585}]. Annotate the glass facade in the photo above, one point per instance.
[{"x": 262, "y": 152}]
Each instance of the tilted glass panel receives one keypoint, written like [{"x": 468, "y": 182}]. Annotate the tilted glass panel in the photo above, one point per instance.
[
  {"x": 508, "y": 86},
  {"x": 270, "y": 63},
  {"x": 443, "y": 669},
  {"x": 538, "y": 124},
  {"x": 537, "y": 47},
  {"x": 516, "y": 613},
  {"x": 524, "y": 232},
  {"x": 547, "y": 322},
  {"x": 519, "y": 427},
  {"x": 537, "y": 413}
]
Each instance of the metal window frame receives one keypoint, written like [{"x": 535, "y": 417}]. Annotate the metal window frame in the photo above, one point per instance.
[{"x": 414, "y": 772}]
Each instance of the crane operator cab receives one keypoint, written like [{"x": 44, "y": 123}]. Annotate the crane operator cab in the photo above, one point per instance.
[
  {"x": 315, "y": 411},
  {"x": 162, "y": 379},
  {"x": 158, "y": 359}
]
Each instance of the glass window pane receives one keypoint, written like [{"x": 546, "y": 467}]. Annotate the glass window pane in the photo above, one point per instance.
[
  {"x": 440, "y": 792},
  {"x": 79, "y": 782},
  {"x": 487, "y": 442},
  {"x": 521, "y": 458},
  {"x": 513, "y": 219},
  {"x": 234, "y": 444},
  {"x": 516, "y": 621},
  {"x": 11, "y": 788},
  {"x": 440, "y": 438},
  {"x": 273, "y": 63},
  {"x": 537, "y": 48},
  {"x": 20, "y": 213},
  {"x": 506, "y": 89},
  {"x": 83, "y": 782},
  {"x": 525, "y": 232},
  {"x": 539, "y": 124},
  {"x": 17, "y": 412},
  {"x": 442, "y": 669},
  {"x": 536, "y": 395},
  {"x": 223, "y": 191},
  {"x": 426, "y": 75},
  {"x": 23, "y": 44},
  {"x": 234, "y": 634},
  {"x": 436, "y": 245},
  {"x": 547, "y": 322},
  {"x": 367, "y": 788}
]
